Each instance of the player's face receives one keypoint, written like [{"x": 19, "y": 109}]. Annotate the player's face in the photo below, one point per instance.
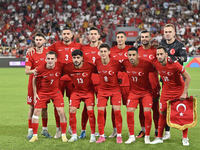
[
  {"x": 67, "y": 35},
  {"x": 161, "y": 55},
  {"x": 94, "y": 36},
  {"x": 121, "y": 39},
  {"x": 51, "y": 60},
  {"x": 133, "y": 56},
  {"x": 169, "y": 33},
  {"x": 145, "y": 38},
  {"x": 39, "y": 41},
  {"x": 104, "y": 53},
  {"x": 77, "y": 60}
]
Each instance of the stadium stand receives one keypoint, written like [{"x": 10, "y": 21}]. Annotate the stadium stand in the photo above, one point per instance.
[{"x": 21, "y": 19}]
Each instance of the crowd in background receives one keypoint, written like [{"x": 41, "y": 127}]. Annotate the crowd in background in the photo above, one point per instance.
[{"x": 21, "y": 19}]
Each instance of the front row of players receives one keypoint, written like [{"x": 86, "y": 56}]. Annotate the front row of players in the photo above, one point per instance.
[{"x": 140, "y": 90}]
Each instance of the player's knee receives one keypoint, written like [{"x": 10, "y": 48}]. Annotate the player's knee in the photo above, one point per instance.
[
  {"x": 147, "y": 109},
  {"x": 37, "y": 112},
  {"x": 72, "y": 109},
  {"x": 90, "y": 108},
  {"x": 129, "y": 109}
]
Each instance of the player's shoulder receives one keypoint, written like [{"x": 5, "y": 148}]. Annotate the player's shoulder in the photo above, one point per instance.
[
  {"x": 179, "y": 43},
  {"x": 77, "y": 45},
  {"x": 125, "y": 61},
  {"x": 163, "y": 42}
]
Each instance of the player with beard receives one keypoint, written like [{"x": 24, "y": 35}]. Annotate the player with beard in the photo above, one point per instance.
[
  {"x": 176, "y": 51},
  {"x": 172, "y": 74},
  {"x": 32, "y": 62},
  {"x": 63, "y": 50},
  {"x": 148, "y": 52},
  {"x": 80, "y": 72},
  {"x": 119, "y": 53}
]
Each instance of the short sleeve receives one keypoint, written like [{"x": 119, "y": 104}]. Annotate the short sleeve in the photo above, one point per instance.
[
  {"x": 28, "y": 61},
  {"x": 180, "y": 69}
]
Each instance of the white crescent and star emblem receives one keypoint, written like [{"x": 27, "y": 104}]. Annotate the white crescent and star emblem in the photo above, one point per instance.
[
  {"x": 151, "y": 57},
  {"x": 140, "y": 73},
  {"x": 169, "y": 73},
  {"x": 72, "y": 49},
  {"x": 110, "y": 72},
  {"x": 125, "y": 54},
  {"x": 98, "y": 53},
  {"x": 84, "y": 74},
  {"x": 181, "y": 104},
  {"x": 56, "y": 74}
]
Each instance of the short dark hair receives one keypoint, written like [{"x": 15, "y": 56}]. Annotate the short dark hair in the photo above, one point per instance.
[
  {"x": 145, "y": 31},
  {"x": 51, "y": 53},
  {"x": 67, "y": 28},
  {"x": 133, "y": 49},
  {"x": 94, "y": 28},
  {"x": 121, "y": 32},
  {"x": 104, "y": 45},
  {"x": 40, "y": 35},
  {"x": 162, "y": 47},
  {"x": 77, "y": 52}
]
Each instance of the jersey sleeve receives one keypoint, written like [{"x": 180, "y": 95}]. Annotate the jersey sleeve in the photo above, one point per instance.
[
  {"x": 29, "y": 61},
  {"x": 182, "y": 51},
  {"x": 180, "y": 69},
  {"x": 52, "y": 47}
]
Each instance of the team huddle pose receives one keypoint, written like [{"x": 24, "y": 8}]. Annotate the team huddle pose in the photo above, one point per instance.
[{"x": 123, "y": 74}]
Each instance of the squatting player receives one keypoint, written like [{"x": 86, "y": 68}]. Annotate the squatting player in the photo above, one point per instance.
[
  {"x": 49, "y": 75},
  {"x": 173, "y": 88},
  {"x": 140, "y": 89},
  {"x": 80, "y": 73},
  {"x": 30, "y": 69},
  {"x": 109, "y": 87}
]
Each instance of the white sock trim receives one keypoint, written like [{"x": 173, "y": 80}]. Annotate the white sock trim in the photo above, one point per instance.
[{"x": 35, "y": 117}]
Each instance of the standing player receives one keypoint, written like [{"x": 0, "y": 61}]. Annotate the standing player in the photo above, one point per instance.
[
  {"x": 90, "y": 54},
  {"x": 49, "y": 75},
  {"x": 140, "y": 89},
  {"x": 176, "y": 50},
  {"x": 148, "y": 52},
  {"x": 30, "y": 69},
  {"x": 119, "y": 53},
  {"x": 173, "y": 88},
  {"x": 109, "y": 87},
  {"x": 80, "y": 72}
]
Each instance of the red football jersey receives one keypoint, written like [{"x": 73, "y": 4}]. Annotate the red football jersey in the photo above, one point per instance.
[
  {"x": 49, "y": 78},
  {"x": 64, "y": 51},
  {"x": 34, "y": 61},
  {"x": 173, "y": 83},
  {"x": 91, "y": 54},
  {"x": 121, "y": 55},
  {"x": 139, "y": 76},
  {"x": 108, "y": 74},
  {"x": 150, "y": 55},
  {"x": 81, "y": 77}
]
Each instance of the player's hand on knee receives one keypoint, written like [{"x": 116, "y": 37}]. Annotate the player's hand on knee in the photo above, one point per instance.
[{"x": 183, "y": 96}]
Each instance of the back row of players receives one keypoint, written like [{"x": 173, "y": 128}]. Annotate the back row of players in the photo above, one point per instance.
[{"x": 121, "y": 72}]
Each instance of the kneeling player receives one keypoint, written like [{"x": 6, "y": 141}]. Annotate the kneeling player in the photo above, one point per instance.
[
  {"x": 49, "y": 75},
  {"x": 80, "y": 72},
  {"x": 109, "y": 87},
  {"x": 138, "y": 72}
]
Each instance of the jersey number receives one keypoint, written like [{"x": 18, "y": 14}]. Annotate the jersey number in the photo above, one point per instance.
[
  {"x": 80, "y": 80},
  {"x": 93, "y": 59},
  {"x": 66, "y": 57},
  {"x": 135, "y": 79},
  {"x": 52, "y": 81},
  {"x": 105, "y": 78},
  {"x": 166, "y": 78}
]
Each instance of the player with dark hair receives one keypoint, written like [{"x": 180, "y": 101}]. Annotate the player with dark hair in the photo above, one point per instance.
[
  {"x": 49, "y": 75},
  {"x": 108, "y": 69},
  {"x": 140, "y": 90},
  {"x": 80, "y": 72},
  {"x": 119, "y": 53},
  {"x": 173, "y": 88},
  {"x": 176, "y": 51},
  {"x": 148, "y": 52},
  {"x": 32, "y": 62}
]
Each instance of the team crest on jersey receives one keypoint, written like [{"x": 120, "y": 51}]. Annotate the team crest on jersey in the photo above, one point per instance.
[
  {"x": 93, "y": 52},
  {"x": 169, "y": 73},
  {"x": 151, "y": 57},
  {"x": 57, "y": 74},
  {"x": 41, "y": 59},
  {"x": 72, "y": 49},
  {"x": 172, "y": 51},
  {"x": 110, "y": 72},
  {"x": 84, "y": 74},
  {"x": 125, "y": 54},
  {"x": 120, "y": 54},
  {"x": 140, "y": 73}
]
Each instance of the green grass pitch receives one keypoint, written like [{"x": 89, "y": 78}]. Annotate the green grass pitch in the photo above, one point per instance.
[{"x": 14, "y": 114}]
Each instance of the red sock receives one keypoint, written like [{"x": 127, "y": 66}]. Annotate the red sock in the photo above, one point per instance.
[
  {"x": 63, "y": 126},
  {"x": 113, "y": 118},
  {"x": 118, "y": 121},
  {"x": 92, "y": 120},
  {"x": 105, "y": 115},
  {"x": 141, "y": 115},
  {"x": 44, "y": 122},
  {"x": 35, "y": 127},
  {"x": 185, "y": 132},
  {"x": 29, "y": 123},
  {"x": 57, "y": 118},
  {"x": 155, "y": 108},
  {"x": 101, "y": 121},
  {"x": 72, "y": 122},
  {"x": 161, "y": 125},
  {"x": 84, "y": 118},
  {"x": 148, "y": 122},
  {"x": 130, "y": 122}
]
